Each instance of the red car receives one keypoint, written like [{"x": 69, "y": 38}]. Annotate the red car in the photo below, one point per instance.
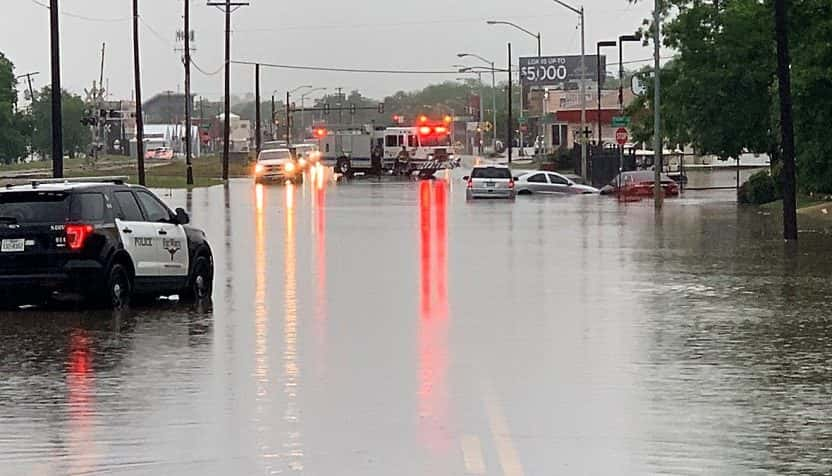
[{"x": 639, "y": 184}]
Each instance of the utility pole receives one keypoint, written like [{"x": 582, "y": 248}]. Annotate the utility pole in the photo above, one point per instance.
[
  {"x": 99, "y": 126},
  {"x": 584, "y": 159},
  {"x": 188, "y": 106},
  {"x": 786, "y": 120},
  {"x": 257, "y": 121},
  {"x": 288, "y": 123},
  {"x": 229, "y": 7},
  {"x": 271, "y": 127},
  {"x": 658, "y": 192},
  {"x": 340, "y": 111},
  {"x": 138, "y": 78},
  {"x": 57, "y": 114},
  {"x": 510, "y": 127}
]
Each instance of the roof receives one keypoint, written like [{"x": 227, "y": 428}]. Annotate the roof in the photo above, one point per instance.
[
  {"x": 490, "y": 166},
  {"x": 58, "y": 185}
]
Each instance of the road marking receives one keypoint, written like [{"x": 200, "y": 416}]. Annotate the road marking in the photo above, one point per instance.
[
  {"x": 506, "y": 452},
  {"x": 472, "y": 455}
]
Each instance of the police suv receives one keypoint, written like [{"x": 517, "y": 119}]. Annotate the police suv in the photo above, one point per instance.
[{"x": 99, "y": 240}]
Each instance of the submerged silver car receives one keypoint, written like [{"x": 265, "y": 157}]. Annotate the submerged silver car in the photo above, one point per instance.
[
  {"x": 490, "y": 181},
  {"x": 540, "y": 181}
]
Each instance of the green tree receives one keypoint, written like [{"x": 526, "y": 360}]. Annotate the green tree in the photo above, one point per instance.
[
  {"x": 14, "y": 124},
  {"x": 77, "y": 137}
]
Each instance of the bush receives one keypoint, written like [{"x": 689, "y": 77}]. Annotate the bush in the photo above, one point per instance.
[{"x": 761, "y": 188}]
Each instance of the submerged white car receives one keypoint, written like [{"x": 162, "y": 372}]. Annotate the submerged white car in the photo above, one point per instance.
[{"x": 541, "y": 181}]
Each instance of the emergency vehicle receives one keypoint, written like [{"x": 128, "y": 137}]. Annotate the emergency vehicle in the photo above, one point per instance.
[
  {"x": 98, "y": 240},
  {"x": 351, "y": 149}
]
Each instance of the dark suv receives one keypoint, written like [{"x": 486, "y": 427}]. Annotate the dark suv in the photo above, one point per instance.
[{"x": 98, "y": 240}]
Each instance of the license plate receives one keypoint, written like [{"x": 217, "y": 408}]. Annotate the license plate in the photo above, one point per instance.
[
  {"x": 12, "y": 246},
  {"x": 489, "y": 184}
]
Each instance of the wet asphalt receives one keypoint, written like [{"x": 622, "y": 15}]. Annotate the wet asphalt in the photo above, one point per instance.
[{"x": 391, "y": 328}]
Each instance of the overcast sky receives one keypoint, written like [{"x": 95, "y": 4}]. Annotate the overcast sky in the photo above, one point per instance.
[{"x": 389, "y": 34}]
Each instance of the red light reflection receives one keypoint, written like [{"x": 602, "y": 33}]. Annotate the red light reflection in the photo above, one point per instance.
[
  {"x": 79, "y": 382},
  {"x": 433, "y": 322}
]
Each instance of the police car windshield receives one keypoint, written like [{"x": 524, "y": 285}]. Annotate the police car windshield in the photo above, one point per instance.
[{"x": 28, "y": 208}]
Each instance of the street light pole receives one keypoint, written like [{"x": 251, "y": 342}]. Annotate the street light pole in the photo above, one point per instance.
[
  {"x": 580, "y": 13},
  {"x": 538, "y": 37},
  {"x": 657, "y": 130},
  {"x": 621, "y": 40},
  {"x": 510, "y": 127},
  {"x": 601, "y": 44},
  {"x": 303, "y": 105}
]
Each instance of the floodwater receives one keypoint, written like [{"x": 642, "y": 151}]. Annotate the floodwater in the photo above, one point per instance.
[{"x": 392, "y": 328}]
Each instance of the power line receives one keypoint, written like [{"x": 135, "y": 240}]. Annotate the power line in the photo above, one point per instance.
[
  {"x": 344, "y": 70},
  {"x": 206, "y": 73},
  {"x": 82, "y": 17}
]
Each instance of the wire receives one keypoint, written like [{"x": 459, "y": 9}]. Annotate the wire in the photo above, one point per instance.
[
  {"x": 344, "y": 70},
  {"x": 81, "y": 17},
  {"x": 206, "y": 73},
  {"x": 155, "y": 33}
]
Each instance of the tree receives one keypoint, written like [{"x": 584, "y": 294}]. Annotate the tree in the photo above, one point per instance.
[
  {"x": 77, "y": 137},
  {"x": 14, "y": 124}
]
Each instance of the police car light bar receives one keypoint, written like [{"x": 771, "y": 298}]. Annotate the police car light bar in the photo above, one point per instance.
[{"x": 116, "y": 179}]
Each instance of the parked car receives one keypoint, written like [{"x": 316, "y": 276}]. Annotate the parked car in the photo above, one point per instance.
[
  {"x": 639, "y": 183},
  {"x": 277, "y": 165},
  {"x": 490, "y": 181},
  {"x": 540, "y": 181},
  {"x": 160, "y": 153},
  {"x": 97, "y": 240}
]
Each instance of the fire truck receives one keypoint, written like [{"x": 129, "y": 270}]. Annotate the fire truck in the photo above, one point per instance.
[{"x": 425, "y": 148}]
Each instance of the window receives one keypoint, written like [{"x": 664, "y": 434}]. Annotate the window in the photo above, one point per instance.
[
  {"x": 412, "y": 141},
  {"x": 153, "y": 208},
  {"x": 275, "y": 154},
  {"x": 392, "y": 141},
  {"x": 537, "y": 178},
  {"x": 33, "y": 207},
  {"x": 559, "y": 132},
  {"x": 558, "y": 180},
  {"x": 87, "y": 207},
  {"x": 129, "y": 207},
  {"x": 491, "y": 173}
]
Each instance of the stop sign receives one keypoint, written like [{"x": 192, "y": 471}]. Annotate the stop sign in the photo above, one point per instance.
[{"x": 621, "y": 136}]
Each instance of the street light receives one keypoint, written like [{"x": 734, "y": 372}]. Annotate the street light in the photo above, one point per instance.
[
  {"x": 493, "y": 94},
  {"x": 580, "y": 13},
  {"x": 289, "y": 108},
  {"x": 539, "y": 54},
  {"x": 601, "y": 44},
  {"x": 621, "y": 40},
  {"x": 303, "y": 105}
]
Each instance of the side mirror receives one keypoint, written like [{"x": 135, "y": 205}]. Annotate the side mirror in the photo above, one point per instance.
[
  {"x": 466, "y": 178},
  {"x": 182, "y": 217},
  {"x": 569, "y": 184}
]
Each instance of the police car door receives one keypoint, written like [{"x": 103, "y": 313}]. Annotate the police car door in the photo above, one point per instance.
[
  {"x": 171, "y": 242},
  {"x": 136, "y": 234}
]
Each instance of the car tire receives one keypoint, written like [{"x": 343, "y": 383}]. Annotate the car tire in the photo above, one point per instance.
[
  {"x": 200, "y": 283},
  {"x": 119, "y": 292}
]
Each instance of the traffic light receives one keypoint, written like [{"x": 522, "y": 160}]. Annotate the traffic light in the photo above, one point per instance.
[
  {"x": 320, "y": 132},
  {"x": 352, "y": 109},
  {"x": 381, "y": 108},
  {"x": 326, "y": 109}
]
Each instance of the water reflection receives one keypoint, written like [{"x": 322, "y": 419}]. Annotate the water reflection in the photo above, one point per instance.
[
  {"x": 260, "y": 308},
  {"x": 319, "y": 232},
  {"x": 433, "y": 321},
  {"x": 80, "y": 402},
  {"x": 291, "y": 370}
]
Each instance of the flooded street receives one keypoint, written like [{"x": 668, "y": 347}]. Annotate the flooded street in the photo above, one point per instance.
[{"x": 369, "y": 328}]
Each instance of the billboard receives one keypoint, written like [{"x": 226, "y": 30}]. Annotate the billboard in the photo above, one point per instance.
[{"x": 552, "y": 70}]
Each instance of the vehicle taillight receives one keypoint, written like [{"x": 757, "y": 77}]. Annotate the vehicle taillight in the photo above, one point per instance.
[
  {"x": 76, "y": 235},
  {"x": 470, "y": 183},
  {"x": 511, "y": 184}
]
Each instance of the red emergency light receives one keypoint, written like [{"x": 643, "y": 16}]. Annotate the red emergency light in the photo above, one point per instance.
[
  {"x": 441, "y": 130},
  {"x": 425, "y": 130},
  {"x": 320, "y": 133},
  {"x": 423, "y": 119}
]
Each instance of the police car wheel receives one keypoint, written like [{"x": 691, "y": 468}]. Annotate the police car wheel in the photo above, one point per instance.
[
  {"x": 119, "y": 287},
  {"x": 201, "y": 283}
]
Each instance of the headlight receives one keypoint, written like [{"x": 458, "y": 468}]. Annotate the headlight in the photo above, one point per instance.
[
  {"x": 289, "y": 167},
  {"x": 302, "y": 162},
  {"x": 258, "y": 169}
]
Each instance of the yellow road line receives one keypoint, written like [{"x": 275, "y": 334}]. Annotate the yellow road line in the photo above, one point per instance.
[
  {"x": 472, "y": 455},
  {"x": 506, "y": 452}
]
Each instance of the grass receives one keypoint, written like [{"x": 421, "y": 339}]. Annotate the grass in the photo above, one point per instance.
[{"x": 207, "y": 171}]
